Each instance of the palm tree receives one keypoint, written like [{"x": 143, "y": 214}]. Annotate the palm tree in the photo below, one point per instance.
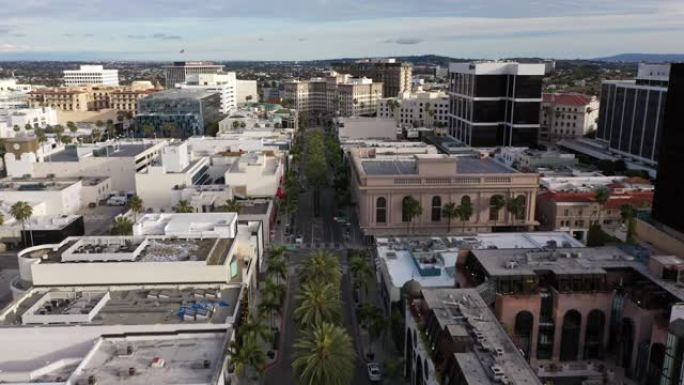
[
  {"x": 122, "y": 226},
  {"x": 184, "y": 206},
  {"x": 169, "y": 129},
  {"x": 318, "y": 302},
  {"x": 360, "y": 270},
  {"x": 449, "y": 211},
  {"x": 72, "y": 127},
  {"x": 377, "y": 327},
  {"x": 232, "y": 206},
  {"x": 322, "y": 267},
  {"x": 465, "y": 211},
  {"x": 410, "y": 209},
  {"x": 325, "y": 355},
  {"x": 272, "y": 289},
  {"x": 247, "y": 354},
  {"x": 22, "y": 212},
  {"x": 254, "y": 327},
  {"x": 148, "y": 130},
  {"x": 515, "y": 206},
  {"x": 16, "y": 128},
  {"x": 601, "y": 197},
  {"x": 269, "y": 305},
  {"x": 277, "y": 268},
  {"x": 136, "y": 204},
  {"x": 496, "y": 203},
  {"x": 2, "y": 219}
]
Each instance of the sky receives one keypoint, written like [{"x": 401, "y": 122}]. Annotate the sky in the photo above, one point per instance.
[{"x": 326, "y": 29}]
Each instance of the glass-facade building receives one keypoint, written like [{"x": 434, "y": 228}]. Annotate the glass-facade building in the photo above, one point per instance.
[
  {"x": 179, "y": 112},
  {"x": 495, "y": 104},
  {"x": 631, "y": 114},
  {"x": 669, "y": 186}
]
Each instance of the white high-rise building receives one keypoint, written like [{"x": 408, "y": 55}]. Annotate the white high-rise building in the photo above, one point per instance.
[
  {"x": 223, "y": 84},
  {"x": 91, "y": 74},
  {"x": 421, "y": 109}
]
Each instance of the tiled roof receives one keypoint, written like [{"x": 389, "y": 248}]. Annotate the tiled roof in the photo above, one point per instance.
[
  {"x": 636, "y": 199},
  {"x": 568, "y": 99}
]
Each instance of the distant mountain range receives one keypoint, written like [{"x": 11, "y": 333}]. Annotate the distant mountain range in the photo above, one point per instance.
[{"x": 643, "y": 57}]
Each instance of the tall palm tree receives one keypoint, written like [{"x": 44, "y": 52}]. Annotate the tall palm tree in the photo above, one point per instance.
[
  {"x": 274, "y": 290},
  {"x": 322, "y": 266},
  {"x": 22, "y": 212},
  {"x": 254, "y": 327},
  {"x": 325, "y": 355},
  {"x": 360, "y": 270},
  {"x": 136, "y": 204},
  {"x": 277, "y": 268},
  {"x": 269, "y": 305},
  {"x": 377, "y": 327},
  {"x": 496, "y": 203},
  {"x": 318, "y": 302},
  {"x": 248, "y": 354},
  {"x": 464, "y": 212},
  {"x": 449, "y": 211},
  {"x": 148, "y": 130},
  {"x": 515, "y": 207},
  {"x": 601, "y": 197},
  {"x": 184, "y": 206},
  {"x": 122, "y": 226},
  {"x": 410, "y": 209}
]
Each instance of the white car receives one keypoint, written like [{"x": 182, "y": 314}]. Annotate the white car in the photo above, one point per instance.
[
  {"x": 117, "y": 200},
  {"x": 374, "y": 372}
]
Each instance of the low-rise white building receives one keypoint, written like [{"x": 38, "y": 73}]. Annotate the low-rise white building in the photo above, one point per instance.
[
  {"x": 13, "y": 121},
  {"x": 60, "y": 196},
  {"x": 223, "y": 84},
  {"x": 120, "y": 160},
  {"x": 417, "y": 109},
  {"x": 90, "y": 75},
  {"x": 174, "y": 171},
  {"x": 356, "y": 128},
  {"x": 525, "y": 159},
  {"x": 255, "y": 174}
]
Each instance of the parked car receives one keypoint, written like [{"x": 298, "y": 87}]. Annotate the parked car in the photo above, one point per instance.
[
  {"x": 117, "y": 200},
  {"x": 374, "y": 372}
]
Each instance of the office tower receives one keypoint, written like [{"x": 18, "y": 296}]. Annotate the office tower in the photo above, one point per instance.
[
  {"x": 495, "y": 103},
  {"x": 631, "y": 113},
  {"x": 667, "y": 206},
  {"x": 91, "y": 75},
  {"x": 177, "y": 72}
]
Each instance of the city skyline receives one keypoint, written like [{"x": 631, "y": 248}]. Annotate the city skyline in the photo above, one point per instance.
[{"x": 309, "y": 29}]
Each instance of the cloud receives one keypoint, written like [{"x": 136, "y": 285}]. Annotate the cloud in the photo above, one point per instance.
[
  {"x": 18, "y": 34},
  {"x": 137, "y": 37},
  {"x": 403, "y": 41},
  {"x": 88, "y": 35},
  {"x": 302, "y": 39},
  {"x": 5, "y": 47},
  {"x": 163, "y": 36}
]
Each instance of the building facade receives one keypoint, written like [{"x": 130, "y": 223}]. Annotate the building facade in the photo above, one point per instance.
[
  {"x": 246, "y": 92},
  {"x": 187, "y": 112},
  {"x": 567, "y": 116},
  {"x": 64, "y": 99},
  {"x": 383, "y": 187},
  {"x": 91, "y": 75},
  {"x": 10, "y": 119},
  {"x": 223, "y": 84},
  {"x": 395, "y": 77},
  {"x": 418, "y": 109},
  {"x": 178, "y": 71},
  {"x": 632, "y": 113},
  {"x": 495, "y": 103},
  {"x": 336, "y": 94},
  {"x": 667, "y": 207}
]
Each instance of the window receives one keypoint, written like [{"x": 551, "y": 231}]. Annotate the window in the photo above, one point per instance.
[
  {"x": 381, "y": 210},
  {"x": 436, "y": 209}
]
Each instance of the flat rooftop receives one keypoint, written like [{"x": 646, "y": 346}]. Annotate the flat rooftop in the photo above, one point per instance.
[
  {"x": 464, "y": 310},
  {"x": 179, "y": 93},
  {"x": 254, "y": 208},
  {"x": 431, "y": 261},
  {"x": 186, "y": 224},
  {"x": 136, "y": 249},
  {"x": 35, "y": 184},
  {"x": 70, "y": 154},
  {"x": 144, "y": 360},
  {"x": 407, "y": 166},
  {"x": 162, "y": 305}
]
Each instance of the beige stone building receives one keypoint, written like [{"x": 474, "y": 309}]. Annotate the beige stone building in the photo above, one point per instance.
[
  {"x": 380, "y": 185},
  {"x": 127, "y": 99},
  {"x": 60, "y": 99},
  {"x": 395, "y": 76},
  {"x": 336, "y": 94}
]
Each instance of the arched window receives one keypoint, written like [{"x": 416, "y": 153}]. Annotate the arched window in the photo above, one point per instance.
[
  {"x": 436, "y": 209},
  {"x": 593, "y": 340},
  {"x": 523, "y": 207},
  {"x": 381, "y": 210},
  {"x": 524, "y": 321},
  {"x": 496, "y": 203},
  {"x": 570, "y": 336},
  {"x": 465, "y": 199}
]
